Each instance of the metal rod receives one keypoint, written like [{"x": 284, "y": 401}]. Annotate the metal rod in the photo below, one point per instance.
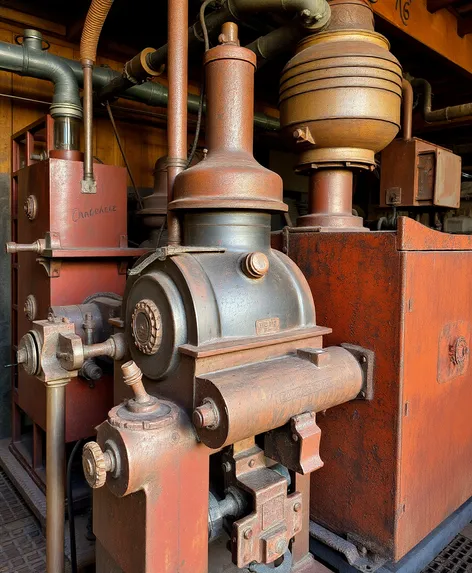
[
  {"x": 407, "y": 92},
  {"x": 55, "y": 477},
  {"x": 177, "y": 110},
  {"x": 88, "y": 119}
]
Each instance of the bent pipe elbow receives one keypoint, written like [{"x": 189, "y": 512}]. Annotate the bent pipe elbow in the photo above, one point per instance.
[{"x": 39, "y": 64}]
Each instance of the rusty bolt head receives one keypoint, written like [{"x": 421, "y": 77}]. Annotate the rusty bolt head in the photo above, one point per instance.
[
  {"x": 297, "y": 134},
  {"x": 248, "y": 534},
  {"x": 295, "y": 437},
  {"x": 255, "y": 265},
  {"x": 206, "y": 415},
  {"x": 252, "y": 463},
  {"x": 297, "y": 507}
]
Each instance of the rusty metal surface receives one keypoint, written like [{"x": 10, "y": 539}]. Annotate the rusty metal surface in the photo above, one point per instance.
[
  {"x": 380, "y": 295},
  {"x": 229, "y": 177},
  {"x": 254, "y": 399},
  {"x": 417, "y": 173},
  {"x": 330, "y": 202}
]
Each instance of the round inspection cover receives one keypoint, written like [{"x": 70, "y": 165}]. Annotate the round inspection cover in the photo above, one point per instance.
[{"x": 155, "y": 324}]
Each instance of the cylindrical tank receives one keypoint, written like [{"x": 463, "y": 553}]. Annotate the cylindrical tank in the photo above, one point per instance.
[{"x": 340, "y": 95}]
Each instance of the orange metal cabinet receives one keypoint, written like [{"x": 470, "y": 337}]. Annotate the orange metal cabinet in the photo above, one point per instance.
[{"x": 397, "y": 466}]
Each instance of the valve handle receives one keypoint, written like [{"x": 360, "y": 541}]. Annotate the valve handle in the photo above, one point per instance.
[{"x": 284, "y": 567}]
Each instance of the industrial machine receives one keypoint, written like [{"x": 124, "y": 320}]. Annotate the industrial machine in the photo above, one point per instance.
[{"x": 240, "y": 418}]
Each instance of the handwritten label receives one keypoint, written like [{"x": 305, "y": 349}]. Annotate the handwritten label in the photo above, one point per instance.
[
  {"x": 77, "y": 214},
  {"x": 267, "y": 325},
  {"x": 403, "y": 8}
]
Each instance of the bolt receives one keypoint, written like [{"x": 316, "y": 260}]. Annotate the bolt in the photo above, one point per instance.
[
  {"x": 226, "y": 467},
  {"x": 318, "y": 17},
  {"x": 295, "y": 437},
  {"x": 362, "y": 394},
  {"x": 363, "y": 551},
  {"x": 297, "y": 134},
  {"x": 248, "y": 534},
  {"x": 297, "y": 507},
  {"x": 363, "y": 359},
  {"x": 305, "y": 13},
  {"x": 256, "y": 265},
  {"x": 252, "y": 463},
  {"x": 206, "y": 415}
]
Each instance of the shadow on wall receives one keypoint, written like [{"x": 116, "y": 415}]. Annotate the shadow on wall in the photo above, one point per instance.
[{"x": 5, "y": 307}]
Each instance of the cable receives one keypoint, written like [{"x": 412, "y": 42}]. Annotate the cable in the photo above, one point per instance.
[
  {"x": 70, "y": 508},
  {"x": 118, "y": 140},
  {"x": 202, "y": 85}
]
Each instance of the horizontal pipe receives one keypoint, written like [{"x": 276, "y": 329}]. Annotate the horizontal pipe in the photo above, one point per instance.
[
  {"x": 314, "y": 15},
  {"x": 276, "y": 42},
  {"x": 155, "y": 94},
  {"x": 443, "y": 114},
  {"x": 30, "y": 60}
]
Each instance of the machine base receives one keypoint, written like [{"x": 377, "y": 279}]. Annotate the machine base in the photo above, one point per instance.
[{"x": 418, "y": 558}]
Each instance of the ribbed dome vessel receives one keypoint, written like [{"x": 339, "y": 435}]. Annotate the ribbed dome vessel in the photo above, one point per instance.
[{"x": 340, "y": 95}]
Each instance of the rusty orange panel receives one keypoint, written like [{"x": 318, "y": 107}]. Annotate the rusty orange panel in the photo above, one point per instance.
[
  {"x": 397, "y": 466},
  {"x": 438, "y": 31}
]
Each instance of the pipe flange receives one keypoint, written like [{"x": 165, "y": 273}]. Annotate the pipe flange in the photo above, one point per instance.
[
  {"x": 146, "y": 324},
  {"x": 121, "y": 417},
  {"x": 66, "y": 110},
  {"x": 28, "y": 353}
]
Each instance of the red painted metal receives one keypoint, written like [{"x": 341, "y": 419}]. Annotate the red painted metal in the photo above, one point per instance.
[
  {"x": 91, "y": 231},
  {"x": 396, "y": 466}
]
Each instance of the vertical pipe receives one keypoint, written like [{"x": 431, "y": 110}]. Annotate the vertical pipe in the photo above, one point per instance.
[
  {"x": 177, "y": 63},
  {"x": 88, "y": 119},
  {"x": 407, "y": 92},
  {"x": 55, "y": 476}
]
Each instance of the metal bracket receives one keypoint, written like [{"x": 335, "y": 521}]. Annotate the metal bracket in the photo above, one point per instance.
[
  {"x": 162, "y": 253},
  {"x": 364, "y": 563},
  {"x": 366, "y": 359},
  {"x": 52, "y": 266},
  {"x": 296, "y": 445}
]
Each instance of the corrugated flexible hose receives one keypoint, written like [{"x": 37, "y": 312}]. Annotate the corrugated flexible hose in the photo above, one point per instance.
[{"x": 96, "y": 17}]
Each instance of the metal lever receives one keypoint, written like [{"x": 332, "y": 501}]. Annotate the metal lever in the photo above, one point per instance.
[{"x": 284, "y": 567}]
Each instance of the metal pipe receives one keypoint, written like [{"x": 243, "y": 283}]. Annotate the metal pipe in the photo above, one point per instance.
[
  {"x": 444, "y": 114},
  {"x": 155, "y": 94},
  {"x": 314, "y": 15},
  {"x": 88, "y": 183},
  {"x": 94, "y": 21},
  {"x": 177, "y": 64},
  {"x": 276, "y": 42},
  {"x": 55, "y": 474},
  {"x": 407, "y": 93},
  {"x": 30, "y": 60}
]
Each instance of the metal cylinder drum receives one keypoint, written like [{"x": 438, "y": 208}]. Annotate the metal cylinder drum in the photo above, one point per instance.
[
  {"x": 254, "y": 399},
  {"x": 340, "y": 95}
]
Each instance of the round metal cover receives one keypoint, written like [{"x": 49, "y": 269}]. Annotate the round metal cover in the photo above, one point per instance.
[
  {"x": 156, "y": 323},
  {"x": 146, "y": 324}
]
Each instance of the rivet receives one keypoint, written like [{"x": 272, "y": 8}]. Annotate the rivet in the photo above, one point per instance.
[
  {"x": 297, "y": 507},
  {"x": 252, "y": 463},
  {"x": 248, "y": 534},
  {"x": 295, "y": 437}
]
